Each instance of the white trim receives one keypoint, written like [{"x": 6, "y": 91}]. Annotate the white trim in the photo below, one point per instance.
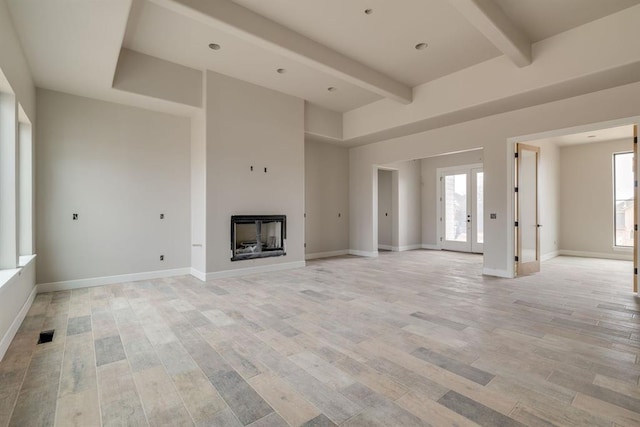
[
  {"x": 576, "y": 129},
  {"x": 255, "y": 270},
  {"x": 329, "y": 254},
  {"x": 584, "y": 254},
  {"x": 405, "y": 248},
  {"x": 24, "y": 260},
  {"x": 363, "y": 253},
  {"x": 13, "y": 329},
  {"x": 549, "y": 255},
  {"x": 109, "y": 280},
  {"x": 386, "y": 247},
  {"x": 8, "y": 275},
  {"x": 623, "y": 249},
  {"x": 198, "y": 274},
  {"x": 497, "y": 273},
  {"x": 431, "y": 246}
]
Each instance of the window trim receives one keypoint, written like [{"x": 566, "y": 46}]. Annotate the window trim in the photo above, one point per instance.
[{"x": 615, "y": 246}]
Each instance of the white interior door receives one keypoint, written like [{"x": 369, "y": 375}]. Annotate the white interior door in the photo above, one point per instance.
[{"x": 461, "y": 209}]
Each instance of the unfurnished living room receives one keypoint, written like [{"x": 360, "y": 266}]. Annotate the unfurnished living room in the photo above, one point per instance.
[{"x": 319, "y": 213}]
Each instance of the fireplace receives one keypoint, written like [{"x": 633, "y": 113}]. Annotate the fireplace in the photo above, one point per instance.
[{"x": 258, "y": 236}]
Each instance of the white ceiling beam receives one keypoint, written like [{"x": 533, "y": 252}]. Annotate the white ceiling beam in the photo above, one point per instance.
[
  {"x": 492, "y": 22},
  {"x": 252, "y": 27}
]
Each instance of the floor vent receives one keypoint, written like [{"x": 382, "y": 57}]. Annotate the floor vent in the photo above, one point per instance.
[{"x": 46, "y": 336}]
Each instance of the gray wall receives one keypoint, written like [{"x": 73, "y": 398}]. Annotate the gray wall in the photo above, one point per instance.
[
  {"x": 326, "y": 197},
  {"x": 248, "y": 125},
  {"x": 118, "y": 167},
  {"x": 586, "y": 189}
]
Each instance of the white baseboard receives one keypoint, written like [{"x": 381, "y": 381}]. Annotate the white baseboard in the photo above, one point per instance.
[
  {"x": 326, "y": 254},
  {"x": 497, "y": 273},
  {"x": 430, "y": 246},
  {"x": 548, "y": 256},
  {"x": 406, "y": 248},
  {"x": 109, "y": 280},
  {"x": 399, "y": 248},
  {"x": 13, "y": 329},
  {"x": 621, "y": 256},
  {"x": 198, "y": 274},
  {"x": 255, "y": 270},
  {"x": 356, "y": 252}
]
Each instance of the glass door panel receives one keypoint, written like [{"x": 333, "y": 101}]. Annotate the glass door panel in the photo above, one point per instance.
[
  {"x": 527, "y": 210},
  {"x": 455, "y": 210},
  {"x": 462, "y": 227}
]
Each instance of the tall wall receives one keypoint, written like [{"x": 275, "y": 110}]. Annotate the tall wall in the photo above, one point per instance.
[
  {"x": 491, "y": 133},
  {"x": 248, "y": 125},
  {"x": 118, "y": 168},
  {"x": 326, "y": 198},
  {"x": 429, "y": 171},
  {"x": 586, "y": 206}
]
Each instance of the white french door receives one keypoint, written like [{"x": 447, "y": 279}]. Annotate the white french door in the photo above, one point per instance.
[{"x": 461, "y": 211}]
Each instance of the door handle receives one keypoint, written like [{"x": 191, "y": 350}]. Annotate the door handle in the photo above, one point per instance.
[{"x": 539, "y": 225}]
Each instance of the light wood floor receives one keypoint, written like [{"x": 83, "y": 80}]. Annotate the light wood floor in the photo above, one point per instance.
[{"x": 412, "y": 338}]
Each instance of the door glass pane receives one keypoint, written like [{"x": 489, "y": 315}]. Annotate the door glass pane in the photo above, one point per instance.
[
  {"x": 479, "y": 207},
  {"x": 623, "y": 184},
  {"x": 455, "y": 207},
  {"x": 527, "y": 180}
]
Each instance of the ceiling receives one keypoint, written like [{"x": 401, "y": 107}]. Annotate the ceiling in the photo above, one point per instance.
[
  {"x": 74, "y": 45},
  {"x": 540, "y": 19},
  {"x": 176, "y": 38},
  {"x": 385, "y": 40},
  {"x": 601, "y": 135}
]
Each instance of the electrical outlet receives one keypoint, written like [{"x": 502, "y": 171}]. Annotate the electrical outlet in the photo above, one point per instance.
[
  {"x": 161, "y": 257},
  {"x": 493, "y": 216},
  {"x": 161, "y": 216},
  {"x": 75, "y": 217}
]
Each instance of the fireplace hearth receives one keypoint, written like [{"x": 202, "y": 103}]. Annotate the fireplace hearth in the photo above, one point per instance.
[{"x": 258, "y": 236}]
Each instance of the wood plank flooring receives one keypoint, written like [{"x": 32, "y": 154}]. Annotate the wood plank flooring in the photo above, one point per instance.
[{"x": 407, "y": 339}]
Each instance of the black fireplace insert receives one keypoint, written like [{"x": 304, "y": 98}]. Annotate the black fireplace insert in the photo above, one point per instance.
[{"x": 258, "y": 236}]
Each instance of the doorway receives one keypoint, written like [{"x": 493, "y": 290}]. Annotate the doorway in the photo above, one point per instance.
[
  {"x": 385, "y": 210},
  {"x": 566, "y": 182},
  {"x": 461, "y": 202}
]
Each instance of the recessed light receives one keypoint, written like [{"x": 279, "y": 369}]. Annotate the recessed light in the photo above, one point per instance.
[
  {"x": 421, "y": 46},
  {"x": 332, "y": 89},
  {"x": 368, "y": 11},
  {"x": 281, "y": 71},
  {"x": 214, "y": 46}
]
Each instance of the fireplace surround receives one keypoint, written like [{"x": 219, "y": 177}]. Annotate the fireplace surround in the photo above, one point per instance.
[{"x": 258, "y": 236}]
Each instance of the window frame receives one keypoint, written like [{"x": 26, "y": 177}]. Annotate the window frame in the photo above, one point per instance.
[{"x": 617, "y": 246}]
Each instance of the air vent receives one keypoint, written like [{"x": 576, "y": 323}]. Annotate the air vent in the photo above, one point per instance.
[{"x": 46, "y": 336}]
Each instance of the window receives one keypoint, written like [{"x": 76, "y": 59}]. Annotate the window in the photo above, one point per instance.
[{"x": 623, "y": 198}]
